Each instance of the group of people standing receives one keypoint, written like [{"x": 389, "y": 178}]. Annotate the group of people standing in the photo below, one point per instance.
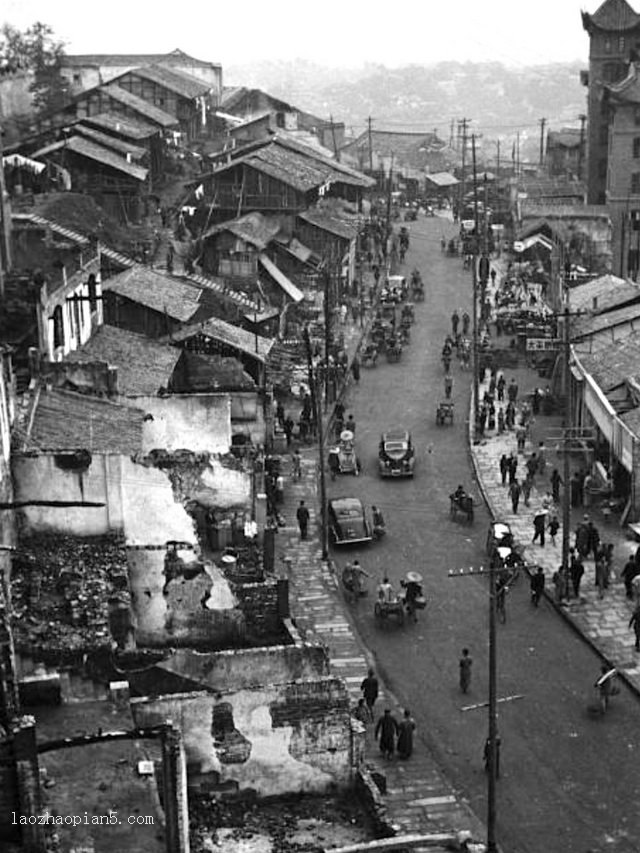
[{"x": 392, "y": 735}]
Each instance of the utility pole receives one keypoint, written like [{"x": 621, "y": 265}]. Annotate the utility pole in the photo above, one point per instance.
[
  {"x": 369, "y": 123},
  {"x": 476, "y": 366},
  {"x": 333, "y": 137},
  {"x": 451, "y": 133},
  {"x": 463, "y": 124},
  {"x": 327, "y": 333},
  {"x": 498, "y": 161},
  {"x": 493, "y": 701},
  {"x": 317, "y": 414},
  {"x": 543, "y": 122},
  {"x": 518, "y": 154},
  {"x": 583, "y": 120},
  {"x": 566, "y": 470},
  {"x": 385, "y": 251}
]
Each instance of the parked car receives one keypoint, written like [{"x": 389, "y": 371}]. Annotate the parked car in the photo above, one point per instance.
[
  {"x": 396, "y": 456},
  {"x": 347, "y": 521}
]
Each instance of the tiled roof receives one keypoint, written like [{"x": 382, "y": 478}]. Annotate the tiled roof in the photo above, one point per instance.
[
  {"x": 176, "y": 81},
  {"x": 175, "y": 57},
  {"x": 297, "y": 165},
  {"x": 64, "y": 420},
  {"x": 106, "y": 141},
  {"x": 533, "y": 209},
  {"x": 341, "y": 225},
  {"x": 627, "y": 89},
  {"x": 614, "y": 15},
  {"x": 139, "y": 105},
  {"x": 585, "y": 326},
  {"x": 609, "y": 291},
  {"x": 551, "y": 187},
  {"x": 253, "y": 345},
  {"x": 161, "y": 292},
  {"x": 127, "y": 127},
  {"x": 610, "y": 366},
  {"x": 92, "y": 151},
  {"x": 253, "y": 228},
  {"x": 144, "y": 365}
]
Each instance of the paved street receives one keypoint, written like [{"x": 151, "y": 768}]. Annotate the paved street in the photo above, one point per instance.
[{"x": 566, "y": 776}]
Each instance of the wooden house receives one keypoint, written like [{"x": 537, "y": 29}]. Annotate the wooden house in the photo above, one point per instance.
[{"x": 188, "y": 99}]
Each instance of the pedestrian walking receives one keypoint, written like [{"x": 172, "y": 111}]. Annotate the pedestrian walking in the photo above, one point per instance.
[
  {"x": 532, "y": 465},
  {"x": 296, "y": 464},
  {"x": 370, "y": 689},
  {"x": 559, "y": 584},
  {"x": 448, "y": 386},
  {"x": 387, "y": 730},
  {"x": 554, "y": 526},
  {"x": 302, "y": 514},
  {"x": 542, "y": 458},
  {"x": 465, "y": 324},
  {"x": 536, "y": 585},
  {"x": 634, "y": 623},
  {"x": 556, "y": 482},
  {"x": 500, "y": 387},
  {"x": 465, "y": 671},
  {"x": 593, "y": 539},
  {"x": 539, "y": 526},
  {"x": 514, "y": 494},
  {"x": 512, "y": 392},
  {"x": 504, "y": 468},
  {"x": 576, "y": 570},
  {"x": 350, "y": 424},
  {"x": 406, "y": 728},
  {"x": 601, "y": 575},
  {"x": 521, "y": 439},
  {"x": 355, "y": 369},
  {"x": 455, "y": 321},
  {"x": 288, "y": 430},
  {"x": 629, "y": 572},
  {"x": 527, "y": 486},
  {"x": 582, "y": 537}
]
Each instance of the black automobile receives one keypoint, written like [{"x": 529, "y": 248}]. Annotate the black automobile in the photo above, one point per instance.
[
  {"x": 347, "y": 521},
  {"x": 396, "y": 456}
]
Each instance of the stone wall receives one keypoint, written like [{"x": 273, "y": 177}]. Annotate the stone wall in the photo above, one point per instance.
[{"x": 274, "y": 740}]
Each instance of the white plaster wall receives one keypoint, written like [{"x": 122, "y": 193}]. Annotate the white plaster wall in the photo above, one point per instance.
[
  {"x": 224, "y": 487},
  {"x": 270, "y": 769},
  {"x": 152, "y": 515},
  {"x": 197, "y": 422},
  {"x": 39, "y": 478}
]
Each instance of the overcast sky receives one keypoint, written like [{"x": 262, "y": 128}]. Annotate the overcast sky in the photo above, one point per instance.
[{"x": 332, "y": 32}]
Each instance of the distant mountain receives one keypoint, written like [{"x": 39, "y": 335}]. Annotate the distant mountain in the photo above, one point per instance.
[{"x": 500, "y": 100}]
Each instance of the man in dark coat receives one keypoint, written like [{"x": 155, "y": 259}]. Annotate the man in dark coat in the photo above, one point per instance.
[
  {"x": 630, "y": 571},
  {"x": 387, "y": 729},
  {"x": 370, "y": 690},
  {"x": 514, "y": 494},
  {"x": 583, "y": 537},
  {"x": 302, "y": 514},
  {"x": 406, "y": 729},
  {"x": 537, "y": 586},
  {"x": 576, "y": 570}
]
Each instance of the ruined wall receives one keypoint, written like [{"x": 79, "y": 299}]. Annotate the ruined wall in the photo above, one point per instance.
[
  {"x": 247, "y": 416},
  {"x": 239, "y": 669},
  {"x": 259, "y": 602},
  {"x": 277, "y": 739},
  {"x": 194, "y": 608},
  {"x": 197, "y": 422}
]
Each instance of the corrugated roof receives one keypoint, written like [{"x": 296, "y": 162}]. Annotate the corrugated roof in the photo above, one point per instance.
[
  {"x": 174, "y": 57},
  {"x": 582, "y": 327},
  {"x": 144, "y": 365},
  {"x": 65, "y": 420},
  {"x": 253, "y": 345},
  {"x": 163, "y": 293},
  {"x": 139, "y": 105},
  {"x": 342, "y": 226},
  {"x": 532, "y": 209},
  {"x": 106, "y": 141},
  {"x": 123, "y": 126},
  {"x": 278, "y": 276},
  {"x": 610, "y": 366},
  {"x": 181, "y": 83},
  {"x": 254, "y": 228},
  {"x": 609, "y": 291}
]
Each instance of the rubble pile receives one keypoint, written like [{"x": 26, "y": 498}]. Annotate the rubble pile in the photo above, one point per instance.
[
  {"x": 61, "y": 587},
  {"x": 303, "y": 824}
]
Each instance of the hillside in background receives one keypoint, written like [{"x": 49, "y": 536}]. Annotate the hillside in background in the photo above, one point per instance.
[{"x": 499, "y": 99}]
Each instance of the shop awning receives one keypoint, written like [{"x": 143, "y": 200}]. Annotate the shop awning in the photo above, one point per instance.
[{"x": 280, "y": 278}]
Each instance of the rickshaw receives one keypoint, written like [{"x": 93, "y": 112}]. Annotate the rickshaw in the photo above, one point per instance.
[
  {"x": 394, "y": 350},
  {"x": 462, "y": 504},
  {"x": 444, "y": 412},
  {"x": 348, "y": 462},
  {"x": 369, "y": 355}
]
